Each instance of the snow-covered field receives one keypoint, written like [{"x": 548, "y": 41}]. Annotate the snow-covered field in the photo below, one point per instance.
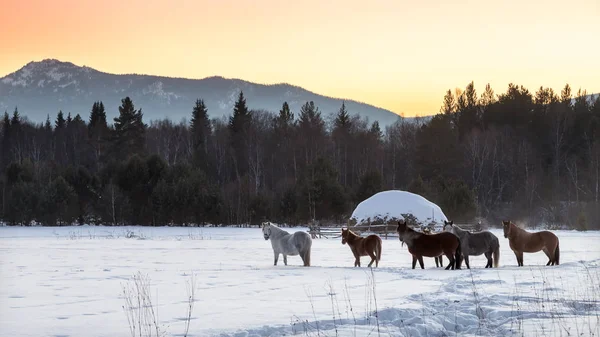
[{"x": 69, "y": 281}]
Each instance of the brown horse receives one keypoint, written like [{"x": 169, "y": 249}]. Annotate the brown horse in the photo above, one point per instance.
[
  {"x": 439, "y": 262},
  {"x": 371, "y": 245},
  {"x": 432, "y": 245},
  {"x": 522, "y": 241}
]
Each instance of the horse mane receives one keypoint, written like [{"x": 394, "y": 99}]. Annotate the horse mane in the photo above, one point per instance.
[
  {"x": 277, "y": 230},
  {"x": 460, "y": 230},
  {"x": 410, "y": 229},
  {"x": 514, "y": 226},
  {"x": 351, "y": 232}
]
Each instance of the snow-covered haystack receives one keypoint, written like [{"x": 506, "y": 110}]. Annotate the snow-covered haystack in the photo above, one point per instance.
[{"x": 394, "y": 205}]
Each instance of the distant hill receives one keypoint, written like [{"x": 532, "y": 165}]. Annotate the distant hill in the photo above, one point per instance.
[{"x": 45, "y": 87}]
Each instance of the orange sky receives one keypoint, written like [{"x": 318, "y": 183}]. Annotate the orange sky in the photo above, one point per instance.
[{"x": 398, "y": 54}]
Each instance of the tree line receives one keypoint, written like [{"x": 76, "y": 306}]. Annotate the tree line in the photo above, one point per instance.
[{"x": 521, "y": 155}]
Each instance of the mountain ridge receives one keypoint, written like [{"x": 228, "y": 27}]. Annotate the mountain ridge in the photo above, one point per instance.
[{"x": 44, "y": 87}]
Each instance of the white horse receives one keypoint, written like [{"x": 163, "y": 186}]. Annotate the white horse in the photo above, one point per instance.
[
  {"x": 285, "y": 243},
  {"x": 474, "y": 244}
]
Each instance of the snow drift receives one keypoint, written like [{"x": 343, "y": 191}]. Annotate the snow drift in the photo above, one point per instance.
[{"x": 398, "y": 205}]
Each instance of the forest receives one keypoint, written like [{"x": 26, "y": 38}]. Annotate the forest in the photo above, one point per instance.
[{"x": 532, "y": 157}]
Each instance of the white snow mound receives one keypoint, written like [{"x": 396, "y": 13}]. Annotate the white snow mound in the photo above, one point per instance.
[{"x": 395, "y": 204}]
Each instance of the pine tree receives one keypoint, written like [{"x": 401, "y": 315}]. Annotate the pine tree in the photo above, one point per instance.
[
  {"x": 6, "y": 136},
  {"x": 60, "y": 122},
  {"x": 17, "y": 136},
  {"x": 467, "y": 111},
  {"x": 566, "y": 96},
  {"x": 130, "y": 131},
  {"x": 311, "y": 130},
  {"x": 239, "y": 127},
  {"x": 375, "y": 131},
  {"x": 200, "y": 129},
  {"x": 77, "y": 142},
  {"x": 60, "y": 138},
  {"x": 281, "y": 139},
  {"x": 341, "y": 137},
  {"x": 241, "y": 116},
  {"x": 48, "y": 124},
  {"x": 97, "y": 116},
  {"x": 98, "y": 133},
  {"x": 286, "y": 116},
  {"x": 449, "y": 105},
  {"x": 16, "y": 118},
  {"x": 487, "y": 98},
  {"x": 342, "y": 119}
]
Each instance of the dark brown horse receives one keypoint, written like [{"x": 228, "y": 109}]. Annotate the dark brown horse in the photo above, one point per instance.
[
  {"x": 439, "y": 262},
  {"x": 522, "y": 241},
  {"x": 371, "y": 245},
  {"x": 432, "y": 245}
]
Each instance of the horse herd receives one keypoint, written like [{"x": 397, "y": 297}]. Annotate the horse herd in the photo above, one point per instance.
[{"x": 454, "y": 242}]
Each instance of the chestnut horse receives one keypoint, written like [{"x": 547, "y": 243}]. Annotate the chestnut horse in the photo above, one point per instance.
[
  {"x": 371, "y": 245},
  {"x": 430, "y": 245},
  {"x": 522, "y": 241},
  {"x": 439, "y": 262}
]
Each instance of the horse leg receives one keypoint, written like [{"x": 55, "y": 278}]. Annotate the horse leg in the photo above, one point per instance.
[
  {"x": 467, "y": 261},
  {"x": 441, "y": 260},
  {"x": 414, "y": 263},
  {"x": 488, "y": 256},
  {"x": 373, "y": 259},
  {"x": 285, "y": 259},
  {"x": 519, "y": 256},
  {"x": 421, "y": 262},
  {"x": 451, "y": 261},
  {"x": 276, "y": 254},
  {"x": 547, "y": 252}
]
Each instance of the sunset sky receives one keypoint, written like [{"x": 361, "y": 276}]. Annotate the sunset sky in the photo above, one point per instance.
[{"x": 401, "y": 55}]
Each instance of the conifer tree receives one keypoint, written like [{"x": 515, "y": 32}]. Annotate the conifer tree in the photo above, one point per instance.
[
  {"x": 130, "y": 131},
  {"x": 341, "y": 136},
  {"x": 449, "y": 105},
  {"x": 98, "y": 132},
  {"x": 239, "y": 127},
  {"x": 200, "y": 129},
  {"x": 6, "y": 135}
]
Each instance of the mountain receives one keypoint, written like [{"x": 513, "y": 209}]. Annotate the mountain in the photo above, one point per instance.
[{"x": 45, "y": 87}]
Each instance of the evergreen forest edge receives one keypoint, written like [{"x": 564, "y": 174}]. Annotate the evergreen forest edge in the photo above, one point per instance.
[{"x": 519, "y": 155}]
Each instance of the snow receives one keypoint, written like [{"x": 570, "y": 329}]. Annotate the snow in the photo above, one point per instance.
[
  {"x": 157, "y": 89},
  {"x": 395, "y": 204},
  {"x": 68, "y": 84},
  {"x": 55, "y": 75},
  {"x": 69, "y": 281}
]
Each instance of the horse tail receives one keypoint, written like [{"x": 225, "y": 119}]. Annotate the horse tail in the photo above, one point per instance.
[
  {"x": 497, "y": 254},
  {"x": 378, "y": 248},
  {"x": 557, "y": 254},
  {"x": 307, "y": 258},
  {"x": 458, "y": 254},
  {"x": 306, "y": 253}
]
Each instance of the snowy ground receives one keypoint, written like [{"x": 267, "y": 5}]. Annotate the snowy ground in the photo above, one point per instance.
[{"x": 69, "y": 282}]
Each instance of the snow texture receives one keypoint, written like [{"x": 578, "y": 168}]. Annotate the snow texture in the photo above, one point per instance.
[
  {"x": 69, "y": 281},
  {"x": 396, "y": 204}
]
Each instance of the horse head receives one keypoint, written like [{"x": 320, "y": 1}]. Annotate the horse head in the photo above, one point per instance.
[
  {"x": 266, "y": 229},
  {"x": 506, "y": 226},
  {"x": 402, "y": 228},
  {"x": 448, "y": 226},
  {"x": 345, "y": 233}
]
